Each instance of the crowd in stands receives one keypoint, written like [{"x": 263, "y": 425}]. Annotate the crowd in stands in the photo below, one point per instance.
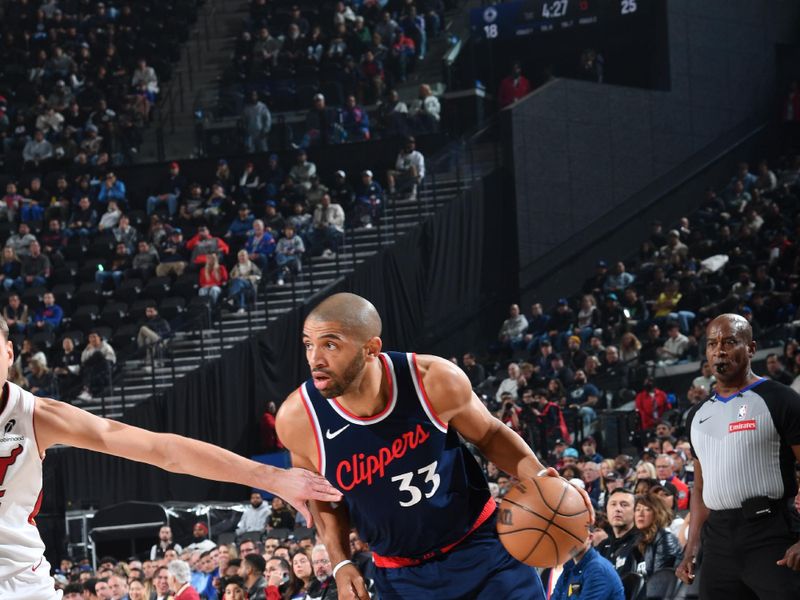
[
  {"x": 79, "y": 80},
  {"x": 333, "y": 59},
  {"x": 599, "y": 350},
  {"x": 84, "y": 262},
  {"x": 285, "y": 563}
]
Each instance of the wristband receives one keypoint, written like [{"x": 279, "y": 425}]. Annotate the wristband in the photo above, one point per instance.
[{"x": 340, "y": 565}]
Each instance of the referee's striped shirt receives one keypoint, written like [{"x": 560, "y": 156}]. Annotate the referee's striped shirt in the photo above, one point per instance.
[{"x": 744, "y": 443}]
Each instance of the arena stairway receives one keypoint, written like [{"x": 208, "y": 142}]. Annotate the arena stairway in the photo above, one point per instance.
[{"x": 136, "y": 380}]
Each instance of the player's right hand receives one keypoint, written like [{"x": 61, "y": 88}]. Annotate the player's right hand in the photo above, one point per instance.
[
  {"x": 685, "y": 570},
  {"x": 551, "y": 472},
  {"x": 299, "y": 485},
  {"x": 351, "y": 584}
]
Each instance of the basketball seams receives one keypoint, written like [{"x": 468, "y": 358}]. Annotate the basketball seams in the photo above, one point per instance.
[
  {"x": 530, "y": 505},
  {"x": 550, "y": 521},
  {"x": 544, "y": 534}
]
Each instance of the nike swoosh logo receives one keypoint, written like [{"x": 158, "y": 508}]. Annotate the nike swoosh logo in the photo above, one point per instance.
[
  {"x": 704, "y": 420},
  {"x": 39, "y": 564},
  {"x": 332, "y": 434}
]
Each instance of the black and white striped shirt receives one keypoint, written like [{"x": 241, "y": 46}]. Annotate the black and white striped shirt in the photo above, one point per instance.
[{"x": 744, "y": 443}]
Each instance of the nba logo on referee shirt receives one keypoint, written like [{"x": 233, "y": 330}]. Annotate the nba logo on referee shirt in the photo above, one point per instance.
[{"x": 740, "y": 424}]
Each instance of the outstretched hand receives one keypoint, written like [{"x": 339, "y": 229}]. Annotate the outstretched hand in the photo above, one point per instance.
[{"x": 296, "y": 486}]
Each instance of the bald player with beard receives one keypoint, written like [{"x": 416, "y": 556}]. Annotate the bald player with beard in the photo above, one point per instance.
[
  {"x": 384, "y": 428},
  {"x": 746, "y": 441}
]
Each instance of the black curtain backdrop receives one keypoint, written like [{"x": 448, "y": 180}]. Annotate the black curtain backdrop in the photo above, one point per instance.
[{"x": 430, "y": 289}]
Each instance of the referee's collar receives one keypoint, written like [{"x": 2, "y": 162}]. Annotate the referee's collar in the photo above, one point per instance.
[{"x": 759, "y": 381}]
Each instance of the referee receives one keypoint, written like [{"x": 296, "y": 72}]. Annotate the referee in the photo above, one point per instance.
[{"x": 747, "y": 437}]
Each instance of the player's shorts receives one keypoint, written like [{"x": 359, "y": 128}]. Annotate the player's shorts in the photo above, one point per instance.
[
  {"x": 34, "y": 583},
  {"x": 479, "y": 568}
]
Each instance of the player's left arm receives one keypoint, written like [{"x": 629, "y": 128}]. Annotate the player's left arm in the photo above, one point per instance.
[
  {"x": 61, "y": 423},
  {"x": 452, "y": 399},
  {"x": 450, "y": 394}
]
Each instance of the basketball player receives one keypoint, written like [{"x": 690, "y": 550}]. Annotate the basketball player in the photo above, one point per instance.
[
  {"x": 24, "y": 572},
  {"x": 384, "y": 429}
]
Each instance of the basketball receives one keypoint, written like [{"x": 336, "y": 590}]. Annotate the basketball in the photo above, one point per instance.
[{"x": 543, "y": 521}]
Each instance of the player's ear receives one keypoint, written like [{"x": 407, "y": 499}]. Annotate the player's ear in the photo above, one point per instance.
[{"x": 373, "y": 346}]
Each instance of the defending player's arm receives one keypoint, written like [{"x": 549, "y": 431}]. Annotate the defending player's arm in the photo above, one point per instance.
[
  {"x": 699, "y": 512},
  {"x": 61, "y": 423},
  {"x": 332, "y": 521},
  {"x": 451, "y": 395}
]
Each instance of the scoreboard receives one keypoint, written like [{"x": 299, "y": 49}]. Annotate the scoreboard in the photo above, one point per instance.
[{"x": 533, "y": 17}]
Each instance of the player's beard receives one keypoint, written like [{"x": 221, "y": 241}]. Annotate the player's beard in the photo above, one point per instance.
[{"x": 338, "y": 385}]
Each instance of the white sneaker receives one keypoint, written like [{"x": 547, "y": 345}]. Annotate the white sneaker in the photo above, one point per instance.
[
  {"x": 241, "y": 311},
  {"x": 280, "y": 281},
  {"x": 85, "y": 395},
  {"x": 328, "y": 253},
  {"x": 368, "y": 225},
  {"x": 147, "y": 369}
]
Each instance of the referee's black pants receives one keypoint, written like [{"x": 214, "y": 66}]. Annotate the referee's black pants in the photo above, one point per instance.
[{"x": 740, "y": 556}]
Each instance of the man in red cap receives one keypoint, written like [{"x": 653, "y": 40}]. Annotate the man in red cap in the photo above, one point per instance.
[{"x": 200, "y": 541}]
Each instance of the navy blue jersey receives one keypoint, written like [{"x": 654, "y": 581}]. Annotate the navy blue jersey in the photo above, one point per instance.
[{"x": 411, "y": 486}]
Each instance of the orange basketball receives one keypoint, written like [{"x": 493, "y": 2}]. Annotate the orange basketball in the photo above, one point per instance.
[{"x": 543, "y": 521}]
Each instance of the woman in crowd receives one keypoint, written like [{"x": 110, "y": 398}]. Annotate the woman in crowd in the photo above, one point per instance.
[
  {"x": 645, "y": 470},
  {"x": 213, "y": 277},
  {"x": 588, "y": 317},
  {"x": 556, "y": 391},
  {"x": 657, "y": 547},
  {"x": 244, "y": 279},
  {"x": 226, "y": 553},
  {"x": 301, "y": 567},
  {"x": 42, "y": 380},
  {"x": 136, "y": 590},
  {"x": 606, "y": 466},
  {"x": 629, "y": 348},
  {"x": 667, "y": 494}
]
